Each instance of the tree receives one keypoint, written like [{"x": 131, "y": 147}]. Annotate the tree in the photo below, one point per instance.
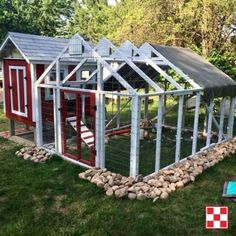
[
  {"x": 44, "y": 17},
  {"x": 90, "y": 19}
]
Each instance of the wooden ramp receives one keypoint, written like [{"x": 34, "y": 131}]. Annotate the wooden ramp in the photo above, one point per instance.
[{"x": 86, "y": 134}]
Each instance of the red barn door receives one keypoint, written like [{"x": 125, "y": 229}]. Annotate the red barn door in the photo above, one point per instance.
[{"x": 18, "y": 90}]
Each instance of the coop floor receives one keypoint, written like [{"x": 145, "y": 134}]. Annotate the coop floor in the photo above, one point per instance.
[{"x": 117, "y": 154}]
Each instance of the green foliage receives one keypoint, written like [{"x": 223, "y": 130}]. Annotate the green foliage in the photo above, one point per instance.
[
  {"x": 225, "y": 62},
  {"x": 89, "y": 19},
  {"x": 34, "y": 16},
  {"x": 199, "y": 24}
]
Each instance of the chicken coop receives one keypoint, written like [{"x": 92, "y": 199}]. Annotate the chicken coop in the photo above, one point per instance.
[{"x": 133, "y": 110}]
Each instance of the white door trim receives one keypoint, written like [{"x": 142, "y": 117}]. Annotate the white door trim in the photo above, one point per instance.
[{"x": 18, "y": 112}]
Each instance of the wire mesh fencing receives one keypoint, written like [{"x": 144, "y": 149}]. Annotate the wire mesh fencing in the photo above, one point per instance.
[
  {"x": 117, "y": 131},
  {"x": 47, "y": 111}
]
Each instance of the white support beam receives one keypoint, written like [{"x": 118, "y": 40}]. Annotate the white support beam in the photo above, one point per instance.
[
  {"x": 157, "y": 68},
  {"x": 55, "y": 108},
  {"x": 146, "y": 102},
  {"x": 196, "y": 121},
  {"x": 135, "y": 68},
  {"x": 213, "y": 119},
  {"x": 209, "y": 123},
  {"x": 135, "y": 132},
  {"x": 57, "y": 104},
  {"x": 108, "y": 67},
  {"x": 222, "y": 117},
  {"x": 38, "y": 117},
  {"x": 100, "y": 119},
  {"x": 159, "y": 133},
  {"x": 91, "y": 76},
  {"x": 118, "y": 77},
  {"x": 118, "y": 110},
  {"x": 180, "y": 72},
  {"x": 109, "y": 76},
  {"x": 98, "y": 131},
  {"x": 42, "y": 77},
  {"x": 231, "y": 118},
  {"x": 84, "y": 90},
  {"x": 56, "y": 123},
  {"x": 74, "y": 70},
  {"x": 33, "y": 80},
  {"x": 179, "y": 128},
  {"x": 102, "y": 134}
]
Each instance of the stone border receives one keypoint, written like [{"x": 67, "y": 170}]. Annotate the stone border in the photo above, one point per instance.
[
  {"x": 34, "y": 154},
  {"x": 161, "y": 184}
]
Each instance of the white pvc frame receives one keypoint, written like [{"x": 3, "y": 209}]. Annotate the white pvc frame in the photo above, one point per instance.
[{"x": 103, "y": 62}]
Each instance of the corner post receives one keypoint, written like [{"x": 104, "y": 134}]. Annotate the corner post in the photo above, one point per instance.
[
  {"x": 159, "y": 132},
  {"x": 57, "y": 113},
  {"x": 209, "y": 123},
  {"x": 38, "y": 116},
  {"x": 100, "y": 119},
  {"x": 196, "y": 121},
  {"x": 135, "y": 129},
  {"x": 222, "y": 116},
  {"x": 12, "y": 127},
  {"x": 231, "y": 118},
  {"x": 179, "y": 128}
]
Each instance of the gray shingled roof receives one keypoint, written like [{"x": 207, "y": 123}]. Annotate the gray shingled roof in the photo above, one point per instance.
[
  {"x": 215, "y": 82},
  {"x": 35, "y": 47}
]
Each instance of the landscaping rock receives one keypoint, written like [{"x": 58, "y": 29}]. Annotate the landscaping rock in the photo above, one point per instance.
[
  {"x": 109, "y": 192},
  {"x": 132, "y": 196},
  {"x": 141, "y": 196},
  {"x": 164, "y": 195},
  {"x": 34, "y": 154},
  {"x": 157, "y": 186}
]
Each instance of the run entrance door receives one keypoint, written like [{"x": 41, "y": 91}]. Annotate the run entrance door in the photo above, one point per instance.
[
  {"x": 78, "y": 126},
  {"x": 18, "y": 90}
]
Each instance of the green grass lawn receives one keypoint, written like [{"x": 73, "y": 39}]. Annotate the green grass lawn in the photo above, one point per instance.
[
  {"x": 4, "y": 124},
  {"x": 50, "y": 199}
]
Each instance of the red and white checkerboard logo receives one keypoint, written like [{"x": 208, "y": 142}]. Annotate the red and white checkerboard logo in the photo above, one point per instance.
[{"x": 217, "y": 217}]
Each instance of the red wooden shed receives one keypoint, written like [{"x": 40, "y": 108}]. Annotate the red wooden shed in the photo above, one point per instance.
[{"x": 25, "y": 57}]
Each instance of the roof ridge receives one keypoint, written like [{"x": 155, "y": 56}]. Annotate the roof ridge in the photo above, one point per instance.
[{"x": 36, "y": 36}]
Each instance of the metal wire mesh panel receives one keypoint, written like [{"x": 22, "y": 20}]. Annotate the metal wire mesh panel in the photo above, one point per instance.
[
  {"x": 117, "y": 143},
  {"x": 168, "y": 138},
  {"x": 147, "y": 145},
  {"x": 188, "y": 125},
  {"x": 47, "y": 104}
]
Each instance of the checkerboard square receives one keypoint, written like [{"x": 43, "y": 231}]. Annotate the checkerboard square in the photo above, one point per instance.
[
  {"x": 210, "y": 210},
  {"x": 223, "y": 210},
  {"x": 224, "y": 224},
  {"x": 216, "y": 217},
  {"x": 210, "y": 224}
]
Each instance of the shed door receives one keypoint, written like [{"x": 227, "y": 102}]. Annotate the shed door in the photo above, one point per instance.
[{"x": 18, "y": 90}]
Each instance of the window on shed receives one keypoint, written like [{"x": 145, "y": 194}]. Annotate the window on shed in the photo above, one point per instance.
[
  {"x": 85, "y": 74},
  {"x": 51, "y": 79},
  {"x": 52, "y": 76}
]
